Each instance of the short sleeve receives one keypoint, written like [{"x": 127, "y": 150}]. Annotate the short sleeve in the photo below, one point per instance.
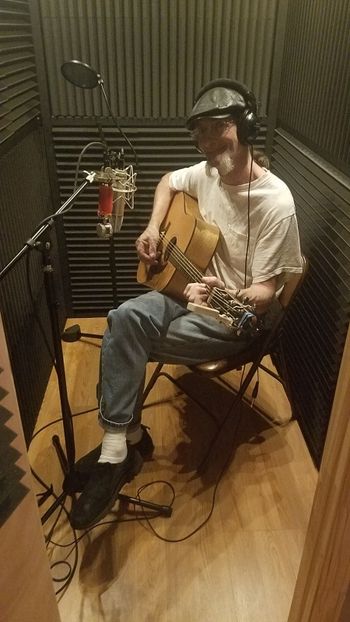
[{"x": 187, "y": 179}]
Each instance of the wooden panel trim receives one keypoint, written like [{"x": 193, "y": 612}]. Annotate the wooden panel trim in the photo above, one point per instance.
[
  {"x": 26, "y": 587},
  {"x": 322, "y": 590}
]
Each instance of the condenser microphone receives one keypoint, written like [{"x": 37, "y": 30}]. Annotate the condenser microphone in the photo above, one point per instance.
[{"x": 117, "y": 189}]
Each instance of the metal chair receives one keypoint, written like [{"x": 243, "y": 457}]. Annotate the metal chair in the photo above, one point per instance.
[{"x": 268, "y": 343}]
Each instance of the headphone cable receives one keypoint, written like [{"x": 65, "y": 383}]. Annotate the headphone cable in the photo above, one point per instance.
[{"x": 248, "y": 216}]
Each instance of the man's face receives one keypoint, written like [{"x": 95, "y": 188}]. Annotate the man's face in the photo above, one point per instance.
[{"x": 217, "y": 140}]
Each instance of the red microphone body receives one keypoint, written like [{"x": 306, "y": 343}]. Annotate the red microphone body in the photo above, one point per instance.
[{"x": 105, "y": 201}]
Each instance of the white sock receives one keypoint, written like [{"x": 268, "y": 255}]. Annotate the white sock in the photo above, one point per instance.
[
  {"x": 134, "y": 436},
  {"x": 114, "y": 449}
]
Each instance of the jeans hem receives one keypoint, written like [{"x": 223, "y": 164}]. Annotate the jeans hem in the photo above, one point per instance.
[{"x": 110, "y": 424}]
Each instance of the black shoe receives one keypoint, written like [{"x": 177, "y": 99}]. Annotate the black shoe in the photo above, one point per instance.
[
  {"x": 145, "y": 447},
  {"x": 101, "y": 491}
]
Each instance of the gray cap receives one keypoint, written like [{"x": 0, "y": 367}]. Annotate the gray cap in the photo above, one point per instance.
[{"x": 217, "y": 102}]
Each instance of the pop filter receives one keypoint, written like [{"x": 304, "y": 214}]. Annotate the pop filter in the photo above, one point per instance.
[{"x": 80, "y": 74}]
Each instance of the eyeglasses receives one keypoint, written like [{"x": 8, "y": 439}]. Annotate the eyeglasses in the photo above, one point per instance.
[{"x": 213, "y": 129}]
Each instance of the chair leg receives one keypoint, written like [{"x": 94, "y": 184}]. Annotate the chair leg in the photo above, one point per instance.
[
  {"x": 238, "y": 397},
  {"x": 193, "y": 399},
  {"x": 152, "y": 381},
  {"x": 251, "y": 401},
  {"x": 273, "y": 374}
]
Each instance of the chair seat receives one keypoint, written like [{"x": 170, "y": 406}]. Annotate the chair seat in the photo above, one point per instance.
[{"x": 221, "y": 366}]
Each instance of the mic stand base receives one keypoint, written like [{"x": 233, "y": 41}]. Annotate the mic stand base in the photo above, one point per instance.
[{"x": 73, "y": 333}]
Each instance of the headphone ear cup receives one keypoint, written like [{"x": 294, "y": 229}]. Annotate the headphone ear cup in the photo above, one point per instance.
[{"x": 247, "y": 127}]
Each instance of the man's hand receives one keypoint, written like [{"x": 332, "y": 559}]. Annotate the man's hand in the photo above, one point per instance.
[
  {"x": 259, "y": 294},
  {"x": 200, "y": 292},
  {"x": 146, "y": 245}
]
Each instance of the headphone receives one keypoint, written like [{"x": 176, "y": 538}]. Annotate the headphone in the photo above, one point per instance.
[{"x": 247, "y": 123}]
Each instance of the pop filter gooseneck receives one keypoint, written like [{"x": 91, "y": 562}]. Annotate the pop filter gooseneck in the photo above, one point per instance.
[{"x": 85, "y": 77}]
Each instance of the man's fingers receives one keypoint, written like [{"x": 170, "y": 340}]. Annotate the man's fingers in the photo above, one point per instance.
[{"x": 196, "y": 292}]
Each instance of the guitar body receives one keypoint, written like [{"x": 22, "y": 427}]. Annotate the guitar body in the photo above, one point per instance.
[{"x": 197, "y": 239}]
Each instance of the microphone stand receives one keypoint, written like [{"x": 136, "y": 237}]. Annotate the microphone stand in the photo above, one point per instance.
[
  {"x": 112, "y": 160},
  {"x": 72, "y": 479}
]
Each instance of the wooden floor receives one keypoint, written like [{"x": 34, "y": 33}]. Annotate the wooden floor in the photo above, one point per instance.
[{"x": 242, "y": 565}]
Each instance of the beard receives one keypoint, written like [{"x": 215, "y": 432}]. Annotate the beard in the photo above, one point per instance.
[{"x": 224, "y": 163}]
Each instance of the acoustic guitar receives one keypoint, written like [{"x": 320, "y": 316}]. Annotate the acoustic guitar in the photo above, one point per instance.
[{"x": 186, "y": 245}]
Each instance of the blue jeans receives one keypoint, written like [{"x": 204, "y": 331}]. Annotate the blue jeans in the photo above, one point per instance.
[{"x": 158, "y": 328}]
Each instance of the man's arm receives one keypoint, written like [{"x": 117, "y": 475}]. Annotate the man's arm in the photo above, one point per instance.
[
  {"x": 146, "y": 244},
  {"x": 259, "y": 294}
]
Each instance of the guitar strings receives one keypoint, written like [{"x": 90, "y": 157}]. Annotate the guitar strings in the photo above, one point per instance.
[{"x": 220, "y": 297}]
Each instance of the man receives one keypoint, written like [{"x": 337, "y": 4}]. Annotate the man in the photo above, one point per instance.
[{"x": 257, "y": 251}]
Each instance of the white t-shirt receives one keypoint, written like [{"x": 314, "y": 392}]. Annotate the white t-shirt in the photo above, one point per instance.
[{"x": 274, "y": 246}]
